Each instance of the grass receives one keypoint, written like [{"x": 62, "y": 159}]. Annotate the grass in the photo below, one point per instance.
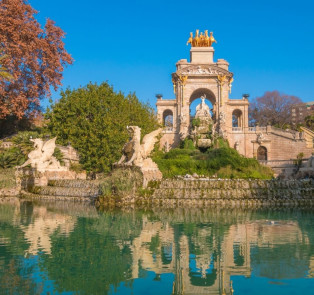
[
  {"x": 7, "y": 178},
  {"x": 223, "y": 162}
]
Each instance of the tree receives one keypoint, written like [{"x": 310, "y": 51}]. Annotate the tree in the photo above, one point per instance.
[
  {"x": 4, "y": 73},
  {"x": 35, "y": 59},
  {"x": 94, "y": 119},
  {"x": 272, "y": 108},
  {"x": 309, "y": 121}
]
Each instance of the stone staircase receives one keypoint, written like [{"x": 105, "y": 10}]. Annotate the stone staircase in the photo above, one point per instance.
[
  {"x": 308, "y": 136},
  {"x": 246, "y": 192},
  {"x": 67, "y": 189}
]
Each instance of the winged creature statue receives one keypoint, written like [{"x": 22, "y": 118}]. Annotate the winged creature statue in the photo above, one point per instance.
[
  {"x": 135, "y": 153},
  {"x": 42, "y": 157}
]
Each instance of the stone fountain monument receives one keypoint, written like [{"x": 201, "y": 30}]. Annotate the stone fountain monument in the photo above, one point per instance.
[{"x": 203, "y": 125}]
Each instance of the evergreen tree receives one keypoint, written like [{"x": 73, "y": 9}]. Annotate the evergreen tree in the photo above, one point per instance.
[{"x": 94, "y": 119}]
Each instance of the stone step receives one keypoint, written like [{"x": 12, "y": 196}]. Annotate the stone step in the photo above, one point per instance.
[
  {"x": 66, "y": 191},
  {"x": 74, "y": 183},
  {"x": 233, "y": 194},
  {"x": 234, "y": 184}
]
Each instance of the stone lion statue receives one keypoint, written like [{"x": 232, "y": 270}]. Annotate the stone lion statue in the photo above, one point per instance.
[{"x": 133, "y": 152}]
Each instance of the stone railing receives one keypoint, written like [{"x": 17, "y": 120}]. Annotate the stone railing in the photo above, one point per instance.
[
  {"x": 308, "y": 135},
  {"x": 295, "y": 135},
  {"x": 282, "y": 163},
  {"x": 168, "y": 130},
  {"x": 237, "y": 129}
]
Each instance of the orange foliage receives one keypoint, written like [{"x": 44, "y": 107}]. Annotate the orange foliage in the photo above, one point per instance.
[{"x": 36, "y": 58}]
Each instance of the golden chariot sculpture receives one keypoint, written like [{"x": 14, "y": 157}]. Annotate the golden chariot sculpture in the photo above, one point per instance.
[{"x": 201, "y": 40}]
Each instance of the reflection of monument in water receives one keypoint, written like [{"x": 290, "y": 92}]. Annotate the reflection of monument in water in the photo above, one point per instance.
[
  {"x": 204, "y": 258},
  {"x": 39, "y": 222}
]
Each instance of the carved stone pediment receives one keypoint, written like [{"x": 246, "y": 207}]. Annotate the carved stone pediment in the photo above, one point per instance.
[{"x": 208, "y": 70}]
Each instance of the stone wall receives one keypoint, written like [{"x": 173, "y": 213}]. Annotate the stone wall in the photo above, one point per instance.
[
  {"x": 280, "y": 144},
  {"x": 232, "y": 192}
]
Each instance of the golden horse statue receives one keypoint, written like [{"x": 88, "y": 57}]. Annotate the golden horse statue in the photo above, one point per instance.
[{"x": 201, "y": 40}]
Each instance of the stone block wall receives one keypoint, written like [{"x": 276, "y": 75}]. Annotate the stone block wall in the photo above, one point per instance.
[{"x": 209, "y": 192}]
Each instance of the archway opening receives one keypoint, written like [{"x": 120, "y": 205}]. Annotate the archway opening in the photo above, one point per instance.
[
  {"x": 237, "y": 119},
  {"x": 197, "y": 102},
  {"x": 168, "y": 119},
  {"x": 196, "y": 99},
  {"x": 262, "y": 153}
]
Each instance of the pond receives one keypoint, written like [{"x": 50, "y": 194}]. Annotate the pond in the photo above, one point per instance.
[{"x": 71, "y": 248}]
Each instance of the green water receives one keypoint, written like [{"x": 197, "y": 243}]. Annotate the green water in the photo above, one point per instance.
[{"x": 69, "y": 248}]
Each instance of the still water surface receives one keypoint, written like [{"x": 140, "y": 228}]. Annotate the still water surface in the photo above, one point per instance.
[{"x": 68, "y": 248}]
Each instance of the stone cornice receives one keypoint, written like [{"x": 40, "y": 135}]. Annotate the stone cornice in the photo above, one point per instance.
[{"x": 202, "y": 70}]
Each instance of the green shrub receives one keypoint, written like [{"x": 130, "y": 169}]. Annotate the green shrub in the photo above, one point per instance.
[
  {"x": 76, "y": 167},
  {"x": 196, "y": 122},
  {"x": 7, "y": 178},
  {"x": 12, "y": 157},
  {"x": 225, "y": 162},
  {"x": 187, "y": 144},
  {"x": 121, "y": 182},
  {"x": 58, "y": 155}
]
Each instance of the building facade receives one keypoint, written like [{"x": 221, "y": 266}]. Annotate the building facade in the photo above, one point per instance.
[
  {"x": 300, "y": 111},
  {"x": 202, "y": 77}
]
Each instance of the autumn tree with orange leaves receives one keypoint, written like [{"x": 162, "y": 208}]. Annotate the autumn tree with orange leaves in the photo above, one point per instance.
[{"x": 35, "y": 59}]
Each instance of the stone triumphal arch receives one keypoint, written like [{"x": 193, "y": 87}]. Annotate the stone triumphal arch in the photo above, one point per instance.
[{"x": 202, "y": 77}]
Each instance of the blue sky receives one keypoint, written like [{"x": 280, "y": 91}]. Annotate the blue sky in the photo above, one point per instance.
[{"x": 134, "y": 45}]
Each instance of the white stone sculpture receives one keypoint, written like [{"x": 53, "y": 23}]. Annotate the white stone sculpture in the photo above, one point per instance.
[
  {"x": 183, "y": 120},
  {"x": 201, "y": 70},
  {"x": 137, "y": 154},
  {"x": 133, "y": 151},
  {"x": 42, "y": 158},
  {"x": 222, "y": 117},
  {"x": 202, "y": 110},
  {"x": 260, "y": 138}
]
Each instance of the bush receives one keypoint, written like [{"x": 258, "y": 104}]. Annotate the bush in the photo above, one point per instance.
[
  {"x": 187, "y": 144},
  {"x": 17, "y": 155},
  {"x": 121, "y": 182},
  {"x": 225, "y": 162},
  {"x": 7, "y": 178},
  {"x": 12, "y": 157}
]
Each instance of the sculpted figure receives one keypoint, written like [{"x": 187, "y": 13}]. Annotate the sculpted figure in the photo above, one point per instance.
[
  {"x": 42, "y": 157},
  {"x": 211, "y": 39},
  {"x": 196, "y": 40},
  {"x": 183, "y": 120},
  {"x": 260, "y": 137},
  {"x": 133, "y": 151},
  {"x": 202, "y": 110},
  {"x": 190, "y": 41},
  {"x": 206, "y": 39},
  {"x": 202, "y": 40},
  {"x": 222, "y": 117}
]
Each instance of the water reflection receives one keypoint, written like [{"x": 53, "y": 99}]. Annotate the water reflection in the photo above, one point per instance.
[{"x": 64, "y": 247}]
